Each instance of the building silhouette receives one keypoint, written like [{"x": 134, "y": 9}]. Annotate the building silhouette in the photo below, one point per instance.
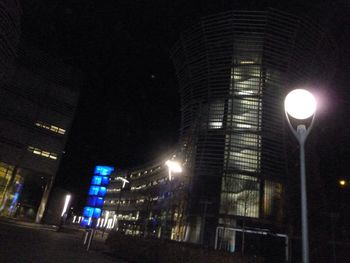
[{"x": 39, "y": 96}]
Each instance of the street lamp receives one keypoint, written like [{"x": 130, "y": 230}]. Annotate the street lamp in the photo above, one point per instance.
[
  {"x": 173, "y": 167},
  {"x": 65, "y": 206},
  {"x": 301, "y": 105},
  {"x": 64, "y": 212},
  {"x": 125, "y": 181}
]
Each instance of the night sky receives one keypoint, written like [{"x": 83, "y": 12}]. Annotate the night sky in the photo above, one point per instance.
[{"x": 129, "y": 109}]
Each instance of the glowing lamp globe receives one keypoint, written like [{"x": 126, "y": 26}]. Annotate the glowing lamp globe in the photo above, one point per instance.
[
  {"x": 300, "y": 104},
  {"x": 174, "y": 166}
]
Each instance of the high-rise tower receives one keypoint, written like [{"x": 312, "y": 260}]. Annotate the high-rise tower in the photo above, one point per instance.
[{"x": 234, "y": 70}]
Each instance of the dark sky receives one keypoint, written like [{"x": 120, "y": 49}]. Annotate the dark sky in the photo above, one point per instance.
[{"x": 129, "y": 110}]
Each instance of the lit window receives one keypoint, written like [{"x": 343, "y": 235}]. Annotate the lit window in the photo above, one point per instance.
[
  {"x": 40, "y": 152},
  {"x": 244, "y": 126},
  {"x": 240, "y": 195},
  {"x": 52, "y": 128},
  {"x": 272, "y": 202},
  {"x": 45, "y": 154},
  {"x": 61, "y": 131},
  {"x": 53, "y": 156},
  {"x": 247, "y": 62},
  {"x": 37, "y": 151}
]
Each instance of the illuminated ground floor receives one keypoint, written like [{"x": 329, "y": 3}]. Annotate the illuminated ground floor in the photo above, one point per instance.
[
  {"x": 157, "y": 204},
  {"x": 21, "y": 191}
]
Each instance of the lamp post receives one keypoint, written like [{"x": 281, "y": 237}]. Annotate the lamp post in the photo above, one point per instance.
[
  {"x": 125, "y": 181},
  {"x": 301, "y": 105},
  {"x": 66, "y": 203},
  {"x": 64, "y": 212},
  {"x": 173, "y": 167}
]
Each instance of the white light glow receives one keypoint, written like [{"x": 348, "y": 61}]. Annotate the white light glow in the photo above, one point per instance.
[
  {"x": 66, "y": 203},
  {"x": 110, "y": 222},
  {"x": 245, "y": 126},
  {"x": 173, "y": 166},
  {"x": 300, "y": 104},
  {"x": 342, "y": 182},
  {"x": 114, "y": 220},
  {"x": 123, "y": 180},
  {"x": 247, "y": 62},
  {"x": 215, "y": 124},
  {"x": 106, "y": 218}
]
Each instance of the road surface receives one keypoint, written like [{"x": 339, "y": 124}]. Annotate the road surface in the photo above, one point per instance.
[{"x": 27, "y": 242}]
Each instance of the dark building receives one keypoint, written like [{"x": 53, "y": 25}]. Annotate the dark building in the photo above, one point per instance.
[
  {"x": 234, "y": 70},
  {"x": 39, "y": 96}
]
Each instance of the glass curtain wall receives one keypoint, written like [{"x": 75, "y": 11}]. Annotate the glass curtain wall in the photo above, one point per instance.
[
  {"x": 5, "y": 176},
  {"x": 10, "y": 188},
  {"x": 240, "y": 184}
]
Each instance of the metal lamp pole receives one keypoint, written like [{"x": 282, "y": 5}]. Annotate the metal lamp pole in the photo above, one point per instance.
[
  {"x": 125, "y": 181},
  {"x": 169, "y": 206},
  {"x": 301, "y": 98},
  {"x": 173, "y": 167}
]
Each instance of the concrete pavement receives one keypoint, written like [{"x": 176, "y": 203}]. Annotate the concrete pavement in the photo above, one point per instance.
[{"x": 27, "y": 242}]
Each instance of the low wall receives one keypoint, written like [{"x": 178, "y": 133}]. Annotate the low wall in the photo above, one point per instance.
[{"x": 136, "y": 249}]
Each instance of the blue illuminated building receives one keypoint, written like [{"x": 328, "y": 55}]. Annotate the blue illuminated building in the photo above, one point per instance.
[{"x": 97, "y": 191}]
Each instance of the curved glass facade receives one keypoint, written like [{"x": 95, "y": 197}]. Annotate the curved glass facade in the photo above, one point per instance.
[{"x": 234, "y": 70}]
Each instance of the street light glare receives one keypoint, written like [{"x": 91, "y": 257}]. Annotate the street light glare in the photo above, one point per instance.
[
  {"x": 300, "y": 104},
  {"x": 66, "y": 202},
  {"x": 174, "y": 166},
  {"x": 342, "y": 182},
  {"x": 125, "y": 181}
]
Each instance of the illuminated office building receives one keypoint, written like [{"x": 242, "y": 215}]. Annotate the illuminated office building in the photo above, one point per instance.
[
  {"x": 39, "y": 96},
  {"x": 234, "y": 70},
  {"x": 39, "y": 103}
]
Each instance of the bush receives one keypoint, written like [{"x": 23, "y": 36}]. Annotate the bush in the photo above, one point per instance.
[{"x": 144, "y": 250}]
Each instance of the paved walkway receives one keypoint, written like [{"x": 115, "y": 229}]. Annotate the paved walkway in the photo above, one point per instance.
[{"x": 26, "y": 242}]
